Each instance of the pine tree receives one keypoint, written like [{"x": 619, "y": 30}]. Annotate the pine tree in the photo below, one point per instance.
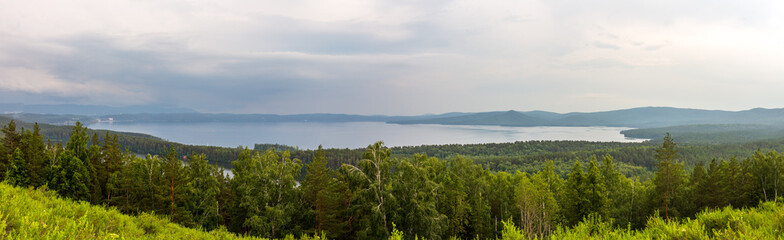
[
  {"x": 34, "y": 152},
  {"x": 595, "y": 191},
  {"x": 69, "y": 177},
  {"x": 326, "y": 195},
  {"x": 616, "y": 186},
  {"x": 697, "y": 184},
  {"x": 18, "y": 174},
  {"x": 668, "y": 179},
  {"x": 78, "y": 141},
  {"x": 172, "y": 190},
  {"x": 574, "y": 199},
  {"x": 112, "y": 160},
  {"x": 10, "y": 141},
  {"x": 95, "y": 158}
]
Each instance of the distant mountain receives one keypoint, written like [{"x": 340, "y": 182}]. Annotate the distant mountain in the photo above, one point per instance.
[
  {"x": 225, "y": 117},
  {"x": 507, "y": 118},
  {"x": 644, "y": 117},
  {"x": 88, "y": 110}
]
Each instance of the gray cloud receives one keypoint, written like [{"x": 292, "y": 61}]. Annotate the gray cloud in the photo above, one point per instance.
[{"x": 392, "y": 57}]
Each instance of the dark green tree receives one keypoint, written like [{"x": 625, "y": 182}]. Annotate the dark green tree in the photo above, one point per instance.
[
  {"x": 595, "y": 192},
  {"x": 202, "y": 190},
  {"x": 326, "y": 195},
  {"x": 172, "y": 191},
  {"x": 574, "y": 199},
  {"x": 10, "y": 142},
  {"x": 18, "y": 174},
  {"x": 669, "y": 179},
  {"x": 34, "y": 151},
  {"x": 69, "y": 177}
]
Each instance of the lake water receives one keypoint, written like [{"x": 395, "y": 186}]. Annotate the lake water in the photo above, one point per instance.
[{"x": 308, "y": 135}]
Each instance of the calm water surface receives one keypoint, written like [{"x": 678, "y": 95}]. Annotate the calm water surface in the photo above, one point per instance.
[{"x": 309, "y": 135}]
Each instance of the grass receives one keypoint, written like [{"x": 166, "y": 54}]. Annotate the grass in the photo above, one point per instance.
[{"x": 27, "y": 213}]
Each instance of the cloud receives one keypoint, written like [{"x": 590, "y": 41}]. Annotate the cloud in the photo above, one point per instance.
[
  {"x": 605, "y": 45},
  {"x": 392, "y": 57}
]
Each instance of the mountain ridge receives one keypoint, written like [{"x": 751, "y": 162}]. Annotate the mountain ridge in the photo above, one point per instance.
[
  {"x": 641, "y": 117},
  {"x": 632, "y": 117}
]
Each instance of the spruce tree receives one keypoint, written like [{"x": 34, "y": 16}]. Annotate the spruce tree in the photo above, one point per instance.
[
  {"x": 573, "y": 201},
  {"x": 18, "y": 174},
  {"x": 668, "y": 180},
  {"x": 595, "y": 191},
  {"x": 69, "y": 177},
  {"x": 326, "y": 195},
  {"x": 172, "y": 190},
  {"x": 34, "y": 152},
  {"x": 10, "y": 141}
]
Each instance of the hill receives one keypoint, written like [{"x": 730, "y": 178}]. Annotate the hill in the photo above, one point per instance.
[
  {"x": 27, "y": 213},
  {"x": 645, "y": 117},
  {"x": 507, "y": 118}
]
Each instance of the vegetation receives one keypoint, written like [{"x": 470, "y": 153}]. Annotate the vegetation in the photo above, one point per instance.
[
  {"x": 27, "y": 213},
  {"x": 389, "y": 195}
]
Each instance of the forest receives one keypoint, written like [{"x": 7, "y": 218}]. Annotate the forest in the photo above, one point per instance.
[{"x": 556, "y": 190}]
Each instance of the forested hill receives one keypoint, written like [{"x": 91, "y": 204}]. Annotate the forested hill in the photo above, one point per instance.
[
  {"x": 643, "y": 117},
  {"x": 635, "y": 158},
  {"x": 636, "y": 118},
  {"x": 138, "y": 143}
]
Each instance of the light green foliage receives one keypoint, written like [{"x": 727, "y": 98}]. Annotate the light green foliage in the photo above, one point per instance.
[
  {"x": 511, "y": 232},
  {"x": 768, "y": 169},
  {"x": 371, "y": 176},
  {"x": 536, "y": 204},
  {"x": 414, "y": 205},
  {"x": 452, "y": 201},
  {"x": 202, "y": 189},
  {"x": 40, "y": 214},
  {"x": 264, "y": 188},
  {"x": 763, "y": 222}
]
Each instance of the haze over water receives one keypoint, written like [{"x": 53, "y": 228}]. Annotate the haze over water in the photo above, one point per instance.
[{"x": 308, "y": 135}]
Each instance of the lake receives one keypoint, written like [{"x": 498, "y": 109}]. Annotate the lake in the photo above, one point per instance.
[{"x": 308, "y": 135}]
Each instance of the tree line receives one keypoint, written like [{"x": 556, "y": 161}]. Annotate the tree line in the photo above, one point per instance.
[{"x": 270, "y": 195}]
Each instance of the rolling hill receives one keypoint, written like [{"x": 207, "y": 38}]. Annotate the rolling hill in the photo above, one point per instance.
[{"x": 645, "y": 117}]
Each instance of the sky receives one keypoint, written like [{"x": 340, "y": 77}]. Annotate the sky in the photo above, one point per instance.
[{"x": 396, "y": 57}]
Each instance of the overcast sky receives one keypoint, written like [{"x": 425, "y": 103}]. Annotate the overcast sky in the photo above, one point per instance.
[{"x": 394, "y": 57}]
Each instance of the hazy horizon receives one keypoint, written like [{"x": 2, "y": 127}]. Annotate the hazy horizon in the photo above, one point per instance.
[
  {"x": 184, "y": 110},
  {"x": 392, "y": 57}
]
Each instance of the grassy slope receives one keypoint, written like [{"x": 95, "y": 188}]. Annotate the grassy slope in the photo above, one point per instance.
[
  {"x": 763, "y": 222},
  {"x": 39, "y": 214}
]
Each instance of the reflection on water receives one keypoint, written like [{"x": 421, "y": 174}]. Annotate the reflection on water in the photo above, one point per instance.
[{"x": 308, "y": 135}]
